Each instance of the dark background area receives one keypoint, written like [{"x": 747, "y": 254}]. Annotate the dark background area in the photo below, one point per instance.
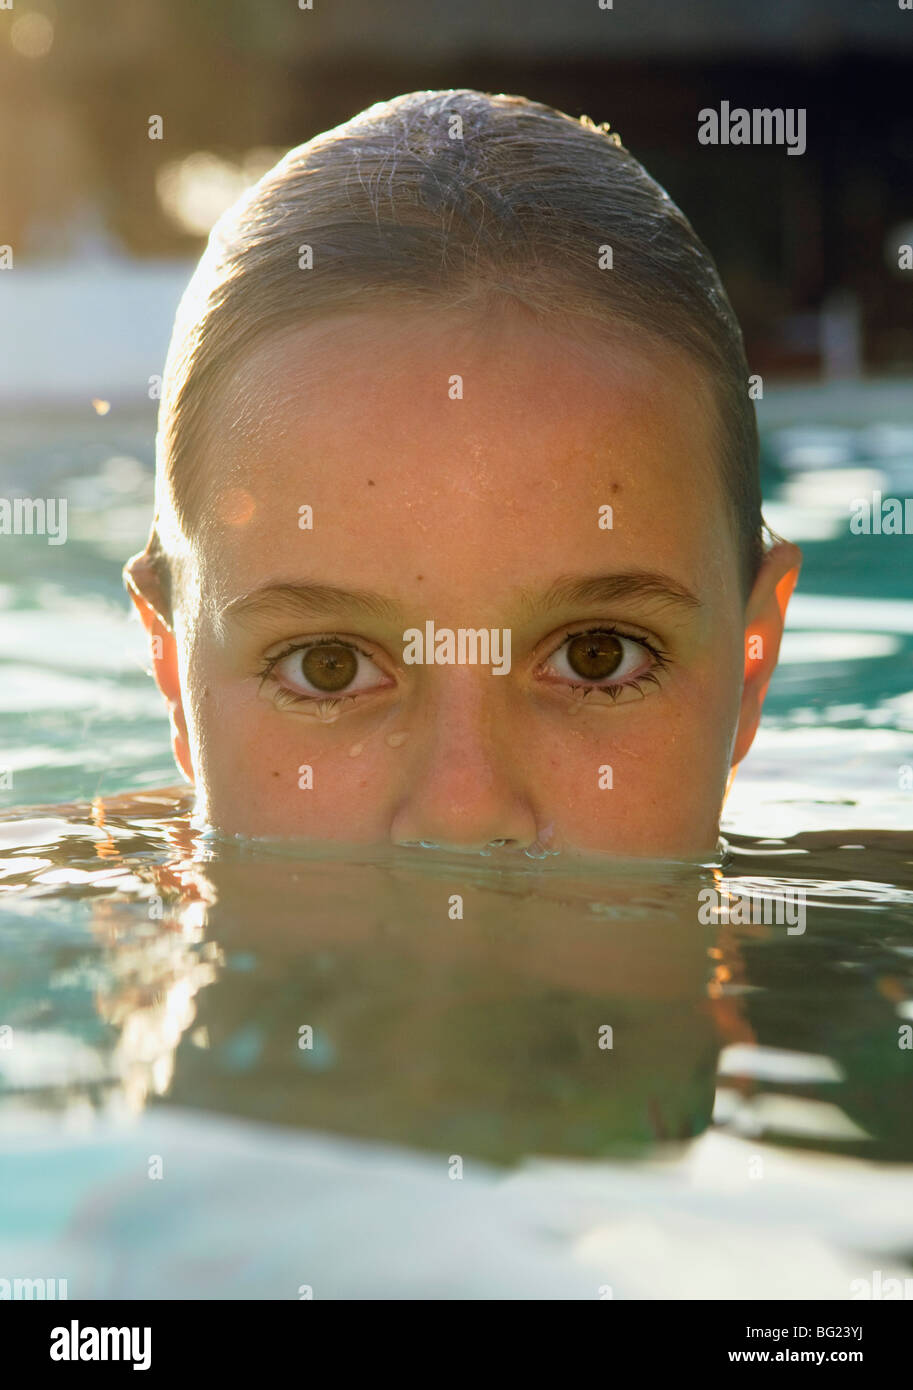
[{"x": 795, "y": 236}]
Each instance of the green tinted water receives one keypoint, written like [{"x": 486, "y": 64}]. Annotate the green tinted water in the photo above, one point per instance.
[{"x": 237, "y": 1070}]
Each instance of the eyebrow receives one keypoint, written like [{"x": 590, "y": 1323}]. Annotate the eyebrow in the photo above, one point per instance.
[
  {"x": 610, "y": 588},
  {"x": 312, "y": 600}
]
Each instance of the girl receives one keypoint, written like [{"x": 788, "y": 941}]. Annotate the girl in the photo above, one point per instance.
[{"x": 460, "y": 368}]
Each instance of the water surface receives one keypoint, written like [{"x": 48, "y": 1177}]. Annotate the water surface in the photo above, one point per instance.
[{"x": 252, "y": 1070}]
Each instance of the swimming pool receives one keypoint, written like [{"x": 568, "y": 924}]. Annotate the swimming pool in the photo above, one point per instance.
[{"x": 246, "y": 1071}]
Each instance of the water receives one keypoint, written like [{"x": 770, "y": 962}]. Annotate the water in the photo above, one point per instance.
[{"x": 253, "y": 1071}]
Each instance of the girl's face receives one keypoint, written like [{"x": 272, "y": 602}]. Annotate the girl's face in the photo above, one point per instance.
[{"x": 383, "y": 485}]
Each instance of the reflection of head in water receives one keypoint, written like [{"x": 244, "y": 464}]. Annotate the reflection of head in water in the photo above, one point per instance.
[
  {"x": 441, "y": 996},
  {"x": 539, "y": 1021},
  {"x": 454, "y": 375}
]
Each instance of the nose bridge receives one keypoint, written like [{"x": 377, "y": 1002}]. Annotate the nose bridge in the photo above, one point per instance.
[
  {"x": 462, "y": 702},
  {"x": 467, "y": 783}
]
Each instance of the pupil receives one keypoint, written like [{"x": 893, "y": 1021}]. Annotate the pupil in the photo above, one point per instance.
[
  {"x": 594, "y": 655},
  {"x": 331, "y": 667}
]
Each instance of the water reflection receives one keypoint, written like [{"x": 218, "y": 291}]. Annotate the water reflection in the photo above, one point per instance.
[
  {"x": 438, "y": 1006},
  {"x": 540, "y": 1022},
  {"x": 453, "y": 1006}
]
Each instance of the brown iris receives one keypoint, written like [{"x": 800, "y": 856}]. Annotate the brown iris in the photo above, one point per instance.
[
  {"x": 330, "y": 667},
  {"x": 594, "y": 655}
]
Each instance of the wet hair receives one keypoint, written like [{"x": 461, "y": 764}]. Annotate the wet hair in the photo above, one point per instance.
[{"x": 449, "y": 199}]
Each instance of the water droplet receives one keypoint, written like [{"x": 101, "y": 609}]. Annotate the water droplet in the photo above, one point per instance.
[
  {"x": 356, "y": 749},
  {"x": 396, "y": 740}
]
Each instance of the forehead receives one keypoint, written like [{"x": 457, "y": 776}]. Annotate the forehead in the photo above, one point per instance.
[{"x": 474, "y": 448}]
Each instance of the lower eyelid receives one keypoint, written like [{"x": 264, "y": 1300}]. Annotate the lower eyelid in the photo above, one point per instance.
[
  {"x": 316, "y": 696},
  {"x": 643, "y": 675},
  {"x": 613, "y": 692},
  {"x": 592, "y": 688},
  {"x": 295, "y": 697}
]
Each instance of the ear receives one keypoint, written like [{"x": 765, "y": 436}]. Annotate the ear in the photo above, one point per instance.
[
  {"x": 143, "y": 581},
  {"x": 765, "y": 615}
]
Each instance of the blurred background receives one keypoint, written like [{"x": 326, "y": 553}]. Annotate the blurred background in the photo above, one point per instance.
[
  {"x": 102, "y": 226},
  {"x": 807, "y": 245}
]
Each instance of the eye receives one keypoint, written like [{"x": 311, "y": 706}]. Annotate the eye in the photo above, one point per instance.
[
  {"x": 604, "y": 659},
  {"x": 324, "y": 668}
]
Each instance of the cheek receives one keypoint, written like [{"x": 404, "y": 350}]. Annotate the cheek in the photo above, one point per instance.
[
  {"x": 643, "y": 779},
  {"x": 261, "y": 773}
]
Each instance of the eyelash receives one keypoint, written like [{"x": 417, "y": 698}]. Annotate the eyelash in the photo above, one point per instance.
[{"x": 328, "y": 704}]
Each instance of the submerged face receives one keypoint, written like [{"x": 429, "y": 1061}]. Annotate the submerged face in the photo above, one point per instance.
[{"x": 512, "y": 613}]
